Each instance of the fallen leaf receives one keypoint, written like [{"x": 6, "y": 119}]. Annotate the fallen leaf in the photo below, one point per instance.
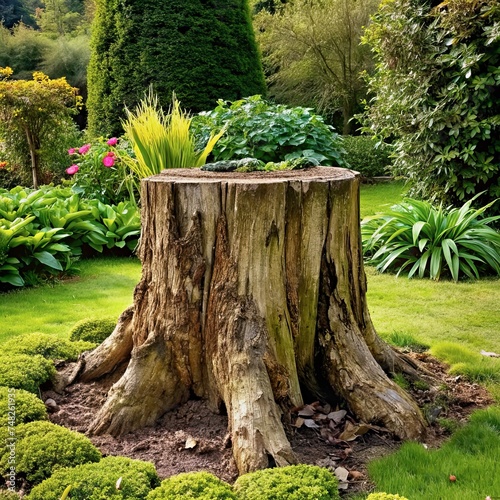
[
  {"x": 190, "y": 443},
  {"x": 490, "y": 354},
  {"x": 299, "y": 422},
  {"x": 342, "y": 474},
  {"x": 308, "y": 422},
  {"x": 118, "y": 484},
  {"x": 307, "y": 411},
  {"x": 355, "y": 474},
  {"x": 337, "y": 416}
]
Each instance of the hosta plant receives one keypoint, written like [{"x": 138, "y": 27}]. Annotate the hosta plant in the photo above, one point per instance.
[{"x": 421, "y": 239}]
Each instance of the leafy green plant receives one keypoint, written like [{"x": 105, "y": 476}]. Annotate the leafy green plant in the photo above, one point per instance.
[
  {"x": 8, "y": 495},
  {"x": 22, "y": 371},
  {"x": 48, "y": 346},
  {"x": 43, "y": 447},
  {"x": 269, "y": 132},
  {"x": 384, "y": 496},
  {"x": 201, "y": 485},
  {"x": 163, "y": 140},
  {"x": 97, "y": 481},
  {"x": 429, "y": 241},
  {"x": 366, "y": 155},
  {"x": 293, "y": 482},
  {"x": 27, "y": 406},
  {"x": 92, "y": 330}
]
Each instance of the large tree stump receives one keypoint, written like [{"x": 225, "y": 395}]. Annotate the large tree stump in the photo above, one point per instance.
[{"x": 253, "y": 295}]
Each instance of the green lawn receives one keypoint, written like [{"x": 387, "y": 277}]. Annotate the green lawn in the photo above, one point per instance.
[{"x": 376, "y": 198}]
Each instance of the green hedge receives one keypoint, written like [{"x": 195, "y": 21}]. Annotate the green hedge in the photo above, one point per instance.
[
  {"x": 97, "y": 481},
  {"x": 22, "y": 371},
  {"x": 19, "y": 407},
  {"x": 92, "y": 330},
  {"x": 384, "y": 496},
  {"x": 366, "y": 156},
  {"x": 42, "y": 447}
]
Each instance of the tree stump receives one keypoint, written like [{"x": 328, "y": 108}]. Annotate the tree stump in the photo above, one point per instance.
[{"x": 253, "y": 296}]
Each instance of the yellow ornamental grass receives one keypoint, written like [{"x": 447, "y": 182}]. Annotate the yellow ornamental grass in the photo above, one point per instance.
[{"x": 162, "y": 141}]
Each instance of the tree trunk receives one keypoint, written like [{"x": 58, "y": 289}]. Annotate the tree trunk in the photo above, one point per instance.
[{"x": 253, "y": 294}]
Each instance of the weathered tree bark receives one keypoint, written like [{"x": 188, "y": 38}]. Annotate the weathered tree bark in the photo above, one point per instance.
[{"x": 252, "y": 295}]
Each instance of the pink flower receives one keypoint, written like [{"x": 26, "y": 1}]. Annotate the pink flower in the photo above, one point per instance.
[
  {"x": 84, "y": 149},
  {"x": 71, "y": 151},
  {"x": 112, "y": 142},
  {"x": 108, "y": 161},
  {"x": 72, "y": 170}
]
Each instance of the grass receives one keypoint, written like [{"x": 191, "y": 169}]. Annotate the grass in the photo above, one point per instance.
[
  {"x": 103, "y": 290},
  {"x": 378, "y": 197}
]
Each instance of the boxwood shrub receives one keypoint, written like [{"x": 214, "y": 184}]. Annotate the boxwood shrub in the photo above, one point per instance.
[
  {"x": 26, "y": 407},
  {"x": 43, "y": 447},
  {"x": 22, "y": 371},
  {"x": 384, "y": 496},
  {"x": 48, "y": 346},
  {"x": 201, "y": 485},
  {"x": 365, "y": 156},
  {"x": 295, "y": 482},
  {"x": 8, "y": 495},
  {"x": 92, "y": 330},
  {"x": 97, "y": 481}
]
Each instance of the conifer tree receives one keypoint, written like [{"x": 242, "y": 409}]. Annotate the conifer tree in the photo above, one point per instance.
[{"x": 202, "y": 50}]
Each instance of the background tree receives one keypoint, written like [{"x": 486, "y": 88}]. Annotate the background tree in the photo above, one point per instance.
[
  {"x": 13, "y": 12},
  {"x": 436, "y": 95},
  {"x": 201, "y": 50},
  {"x": 33, "y": 109},
  {"x": 312, "y": 49}
]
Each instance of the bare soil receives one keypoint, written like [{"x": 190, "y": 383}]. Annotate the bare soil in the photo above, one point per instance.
[{"x": 192, "y": 438}]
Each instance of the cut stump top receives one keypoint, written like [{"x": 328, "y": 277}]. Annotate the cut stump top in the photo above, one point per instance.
[{"x": 189, "y": 175}]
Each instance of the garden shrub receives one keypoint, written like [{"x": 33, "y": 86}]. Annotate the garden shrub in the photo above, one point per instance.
[
  {"x": 44, "y": 447},
  {"x": 269, "y": 132},
  {"x": 26, "y": 407},
  {"x": 201, "y": 485},
  {"x": 384, "y": 496},
  {"x": 92, "y": 330},
  {"x": 208, "y": 51},
  {"x": 48, "y": 346},
  {"x": 422, "y": 239},
  {"x": 97, "y": 481},
  {"x": 22, "y": 371},
  {"x": 364, "y": 155},
  {"x": 294, "y": 482},
  {"x": 8, "y": 495}
]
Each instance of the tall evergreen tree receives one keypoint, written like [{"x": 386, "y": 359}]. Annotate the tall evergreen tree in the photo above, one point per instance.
[{"x": 201, "y": 49}]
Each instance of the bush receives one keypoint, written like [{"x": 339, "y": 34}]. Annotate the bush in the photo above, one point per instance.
[
  {"x": 417, "y": 237},
  {"x": 295, "y": 482},
  {"x": 43, "y": 447},
  {"x": 8, "y": 495},
  {"x": 21, "y": 371},
  {"x": 98, "y": 481},
  {"x": 384, "y": 496},
  {"x": 92, "y": 330},
  {"x": 27, "y": 407},
  {"x": 200, "y": 485},
  {"x": 48, "y": 346},
  {"x": 269, "y": 132},
  {"x": 364, "y": 155},
  {"x": 208, "y": 51}
]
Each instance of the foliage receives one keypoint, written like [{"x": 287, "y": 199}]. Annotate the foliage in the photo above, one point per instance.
[
  {"x": 21, "y": 371},
  {"x": 14, "y": 11},
  {"x": 163, "y": 140},
  {"x": 269, "y": 132},
  {"x": 313, "y": 54},
  {"x": 100, "y": 172},
  {"x": 435, "y": 95},
  {"x": 61, "y": 17},
  {"x": 201, "y": 51},
  {"x": 48, "y": 346},
  {"x": 44, "y": 447},
  {"x": 471, "y": 455},
  {"x": 27, "y": 406},
  {"x": 384, "y": 496},
  {"x": 8, "y": 495},
  {"x": 98, "y": 481},
  {"x": 200, "y": 485},
  {"x": 294, "y": 482},
  {"x": 254, "y": 165},
  {"x": 433, "y": 240},
  {"x": 43, "y": 231},
  {"x": 92, "y": 330},
  {"x": 33, "y": 109},
  {"x": 365, "y": 156}
]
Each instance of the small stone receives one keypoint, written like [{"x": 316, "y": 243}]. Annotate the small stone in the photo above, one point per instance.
[{"x": 51, "y": 405}]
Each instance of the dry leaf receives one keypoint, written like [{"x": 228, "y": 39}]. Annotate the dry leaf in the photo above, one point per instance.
[
  {"x": 337, "y": 416},
  {"x": 118, "y": 484},
  {"x": 299, "y": 422},
  {"x": 307, "y": 411},
  {"x": 355, "y": 474},
  {"x": 308, "y": 422},
  {"x": 190, "y": 443},
  {"x": 490, "y": 354}
]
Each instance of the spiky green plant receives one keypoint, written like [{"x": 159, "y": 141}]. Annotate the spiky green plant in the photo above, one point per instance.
[
  {"x": 163, "y": 140},
  {"x": 422, "y": 239}
]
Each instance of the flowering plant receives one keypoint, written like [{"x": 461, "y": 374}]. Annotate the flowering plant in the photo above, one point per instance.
[{"x": 98, "y": 173}]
